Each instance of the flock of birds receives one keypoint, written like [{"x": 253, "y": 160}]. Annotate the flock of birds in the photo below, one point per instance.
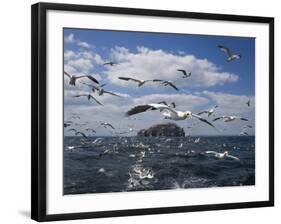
[{"x": 167, "y": 110}]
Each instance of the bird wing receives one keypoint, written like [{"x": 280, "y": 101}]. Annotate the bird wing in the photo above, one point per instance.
[
  {"x": 225, "y": 49},
  {"x": 203, "y": 120},
  {"x": 98, "y": 102},
  {"x": 163, "y": 102},
  {"x": 80, "y": 95},
  {"x": 211, "y": 152},
  {"x": 172, "y": 85},
  {"x": 67, "y": 74},
  {"x": 183, "y": 71},
  {"x": 163, "y": 107},
  {"x": 233, "y": 157},
  {"x": 203, "y": 112},
  {"x": 173, "y": 104},
  {"x": 129, "y": 79},
  {"x": 111, "y": 93},
  {"x": 81, "y": 133},
  {"x": 217, "y": 118},
  {"x": 93, "y": 79},
  {"x": 110, "y": 125},
  {"x": 158, "y": 80},
  {"x": 243, "y": 119},
  {"x": 138, "y": 109},
  {"x": 81, "y": 76}
]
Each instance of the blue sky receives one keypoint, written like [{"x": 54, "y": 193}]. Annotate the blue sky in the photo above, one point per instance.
[{"x": 157, "y": 55}]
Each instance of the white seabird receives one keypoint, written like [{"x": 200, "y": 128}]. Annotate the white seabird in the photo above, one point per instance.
[
  {"x": 100, "y": 90},
  {"x": 209, "y": 111},
  {"x": 166, "y": 83},
  {"x": 105, "y": 125},
  {"x": 185, "y": 74},
  {"x": 72, "y": 78},
  {"x": 230, "y": 118},
  {"x": 229, "y": 55},
  {"x": 140, "y": 82},
  {"x": 168, "y": 112},
  {"x": 223, "y": 155}
]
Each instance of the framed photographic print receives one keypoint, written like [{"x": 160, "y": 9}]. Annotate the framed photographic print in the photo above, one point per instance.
[{"x": 138, "y": 111}]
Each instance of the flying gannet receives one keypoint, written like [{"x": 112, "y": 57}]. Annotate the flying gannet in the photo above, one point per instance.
[
  {"x": 100, "y": 90},
  {"x": 209, "y": 111},
  {"x": 229, "y": 55},
  {"x": 105, "y": 125},
  {"x": 166, "y": 83},
  {"x": 140, "y": 82},
  {"x": 72, "y": 78},
  {"x": 185, "y": 74},
  {"x": 168, "y": 112}
]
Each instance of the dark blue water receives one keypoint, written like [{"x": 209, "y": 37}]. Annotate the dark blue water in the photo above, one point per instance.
[{"x": 115, "y": 164}]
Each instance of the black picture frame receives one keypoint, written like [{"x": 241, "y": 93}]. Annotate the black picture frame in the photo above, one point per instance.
[{"x": 39, "y": 122}]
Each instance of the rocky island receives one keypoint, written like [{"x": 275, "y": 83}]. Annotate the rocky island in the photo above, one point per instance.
[{"x": 166, "y": 130}]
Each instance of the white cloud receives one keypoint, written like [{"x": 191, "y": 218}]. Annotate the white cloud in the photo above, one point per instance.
[
  {"x": 231, "y": 104},
  {"x": 152, "y": 64},
  {"x": 70, "y": 39},
  {"x": 83, "y": 44}
]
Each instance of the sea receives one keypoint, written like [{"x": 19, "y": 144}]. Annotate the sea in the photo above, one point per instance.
[{"x": 121, "y": 164}]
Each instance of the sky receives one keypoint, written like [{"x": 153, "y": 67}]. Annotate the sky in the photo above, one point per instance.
[{"x": 143, "y": 55}]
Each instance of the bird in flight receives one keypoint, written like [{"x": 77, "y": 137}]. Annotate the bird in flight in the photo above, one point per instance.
[
  {"x": 140, "y": 82},
  {"x": 105, "y": 125},
  {"x": 100, "y": 90},
  {"x": 111, "y": 63},
  {"x": 209, "y": 111},
  {"x": 168, "y": 112},
  {"x": 166, "y": 83},
  {"x": 248, "y": 103},
  {"x": 230, "y": 118},
  {"x": 229, "y": 56},
  {"x": 78, "y": 132},
  {"x": 72, "y": 78},
  {"x": 185, "y": 74},
  {"x": 89, "y": 96},
  {"x": 90, "y": 129}
]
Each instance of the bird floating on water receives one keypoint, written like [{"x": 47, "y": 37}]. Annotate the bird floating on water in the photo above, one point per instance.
[
  {"x": 224, "y": 155},
  {"x": 229, "y": 56},
  {"x": 72, "y": 78},
  {"x": 168, "y": 112}
]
